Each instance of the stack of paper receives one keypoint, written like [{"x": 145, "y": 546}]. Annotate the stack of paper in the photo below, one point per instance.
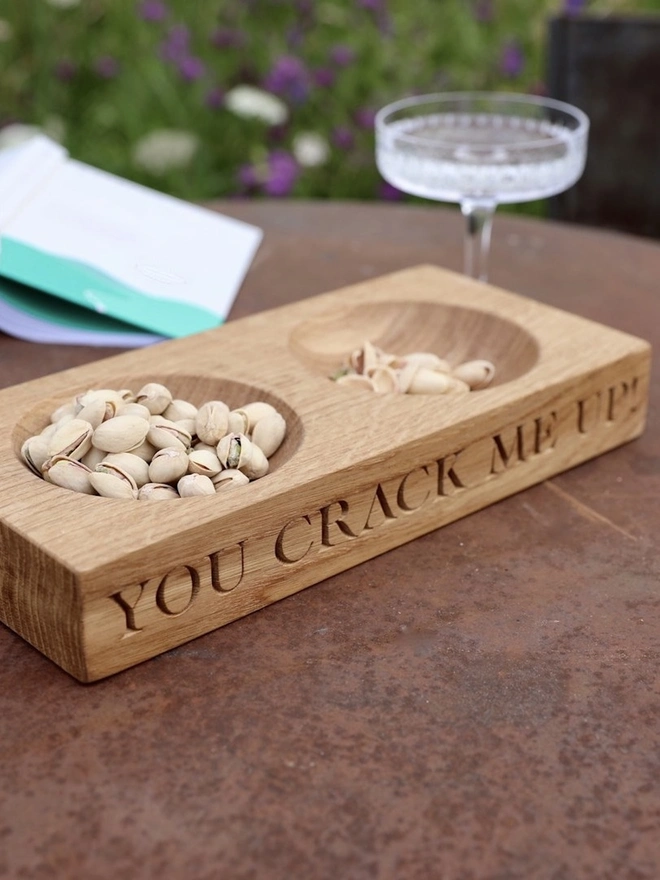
[{"x": 96, "y": 259}]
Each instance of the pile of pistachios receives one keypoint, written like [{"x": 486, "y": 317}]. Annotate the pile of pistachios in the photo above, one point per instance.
[
  {"x": 419, "y": 372},
  {"x": 150, "y": 446}
]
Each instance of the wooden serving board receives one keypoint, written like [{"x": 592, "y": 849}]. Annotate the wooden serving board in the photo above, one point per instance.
[{"x": 100, "y": 584}]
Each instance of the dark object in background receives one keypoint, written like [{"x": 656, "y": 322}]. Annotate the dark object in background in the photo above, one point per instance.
[{"x": 610, "y": 68}]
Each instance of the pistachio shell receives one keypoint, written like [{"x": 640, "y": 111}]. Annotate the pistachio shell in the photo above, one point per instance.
[
  {"x": 69, "y": 473},
  {"x": 67, "y": 409},
  {"x": 238, "y": 422},
  {"x": 112, "y": 482},
  {"x": 180, "y": 409},
  {"x": 269, "y": 433},
  {"x": 134, "y": 409},
  {"x": 257, "y": 466},
  {"x": 130, "y": 463},
  {"x": 163, "y": 433},
  {"x": 96, "y": 411},
  {"x": 234, "y": 450},
  {"x": 73, "y": 438},
  {"x": 426, "y": 359},
  {"x": 145, "y": 451},
  {"x": 35, "y": 453},
  {"x": 228, "y": 479},
  {"x": 477, "y": 374},
  {"x": 109, "y": 396},
  {"x": 425, "y": 381},
  {"x": 121, "y": 434},
  {"x": 155, "y": 397},
  {"x": 256, "y": 411},
  {"x": 383, "y": 380},
  {"x": 157, "y": 492},
  {"x": 195, "y": 484},
  {"x": 93, "y": 457},
  {"x": 212, "y": 421},
  {"x": 355, "y": 380},
  {"x": 202, "y": 461},
  {"x": 168, "y": 464}
]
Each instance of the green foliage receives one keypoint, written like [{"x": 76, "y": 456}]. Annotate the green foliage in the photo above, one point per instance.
[{"x": 103, "y": 74}]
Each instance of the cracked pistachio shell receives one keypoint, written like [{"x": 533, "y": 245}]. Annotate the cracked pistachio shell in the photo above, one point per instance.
[
  {"x": 134, "y": 409},
  {"x": 65, "y": 411},
  {"x": 257, "y": 466},
  {"x": 121, "y": 434},
  {"x": 179, "y": 410},
  {"x": 365, "y": 358},
  {"x": 204, "y": 461},
  {"x": 167, "y": 465},
  {"x": 383, "y": 380},
  {"x": 157, "y": 492},
  {"x": 97, "y": 410},
  {"x": 113, "y": 482},
  {"x": 73, "y": 438},
  {"x": 192, "y": 485},
  {"x": 155, "y": 397},
  {"x": 269, "y": 433},
  {"x": 93, "y": 457},
  {"x": 109, "y": 396},
  {"x": 69, "y": 473},
  {"x": 426, "y": 359},
  {"x": 49, "y": 430},
  {"x": 35, "y": 453},
  {"x": 355, "y": 380},
  {"x": 212, "y": 421},
  {"x": 163, "y": 433},
  {"x": 199, "y": 446},
  {"x": 476, "y": 374},
  {"x": 130, "y": 463},
  {"x": 425, "y": 381},
  {"x": 228, "y": 479},
  {"x": 255, "y": 411},
  {"x": 144, "y": 451},
  {"x": 234, "y": 450}
]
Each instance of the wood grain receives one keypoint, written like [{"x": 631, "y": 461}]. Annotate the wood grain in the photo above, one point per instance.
[{"x": 100, "y": 584}]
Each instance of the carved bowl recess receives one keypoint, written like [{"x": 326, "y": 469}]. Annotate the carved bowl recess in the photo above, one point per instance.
[
  {"x": 196, "y": 389},
  {"x": 455, "y": 333}
]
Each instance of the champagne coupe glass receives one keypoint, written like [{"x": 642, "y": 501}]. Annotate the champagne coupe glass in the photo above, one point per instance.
[{"x": 481, "y": 149}]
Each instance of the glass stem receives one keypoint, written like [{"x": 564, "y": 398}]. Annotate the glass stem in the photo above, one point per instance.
[{"x": 479, "y": 223}]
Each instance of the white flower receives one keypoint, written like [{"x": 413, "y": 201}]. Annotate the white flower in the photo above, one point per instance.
[
  {"x": 17, "y": 133},
  {"x": 253, "y": 103},
  {"x": 6, "y": 31},
  {"x": 310, "y": 149},
  {"x": 63, "y": 4},
  {"x": 165, "y": 149}
]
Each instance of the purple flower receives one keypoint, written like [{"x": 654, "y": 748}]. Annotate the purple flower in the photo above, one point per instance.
[
  {"x": 191, "y": 68},
  {"x": 390, "y": 193},
  {"x": 107, "y": 67},
  {"x": 288, "y": 77},
  {"x": 574, "y": 7},
  {"x": 228, "y": 38},
  {"x": 153, "y": 10},
  {"x": 374, "y": 5},
  {"x": 66, "y": 69},
  {"x": 512, "y": 60},
  {"x": 248, "y": 176},
  {"x": 342, "y": 55},
  {"x": 175, "y": 46},
  {"x": 365, "y": 117},
  {"x": 282, "y": 174},
  {"x": 214, "y": 98},
  {"x": 324, "y": 77},
  {"x": 483, "y": 10},
  {"x": 343, "y": 137}
]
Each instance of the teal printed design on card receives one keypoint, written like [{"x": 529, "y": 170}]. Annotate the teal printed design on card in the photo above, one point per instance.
[{"x": 85, "y": 286}]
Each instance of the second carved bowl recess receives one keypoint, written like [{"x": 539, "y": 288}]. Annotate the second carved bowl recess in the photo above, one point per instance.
[{"x": 454, "y": 333}]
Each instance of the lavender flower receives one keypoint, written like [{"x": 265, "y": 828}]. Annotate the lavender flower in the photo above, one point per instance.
[
  {"x": 324, "y": 77},
  {"x": 215, "y": 98},
  {"x": 66, "y": 69},
  {"x": 153, "y": 10},
  {"x": 390, "y": 193},
  {"x": 228, "y": 38},
  {"x": 342, "y": 55},
  {"x": 176, "y": 45},
  {"x": 191, "y": 68},
  {"x": 282, "y": 174},
  {"x": 512, "y": 60},
  {"x": 288, "y": 77},
  {"x": 365, "y": 117},
  {"x": 107, "y": 67},
  {"x": 574, "y": 7},
  {"x": 343, "y": 137}
]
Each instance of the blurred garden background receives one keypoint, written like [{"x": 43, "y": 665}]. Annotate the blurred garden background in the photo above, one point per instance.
[{"x": 255, "y": 98}]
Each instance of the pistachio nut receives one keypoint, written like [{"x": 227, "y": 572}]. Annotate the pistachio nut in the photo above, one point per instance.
[
  {"x": 234, "y": 450},
  {"x": 204, "y": 461},
  {"x": 269, "y": 432},
  {"x": 111, "y": 481},
  {"x": 195, "y": 484},
  {"x": 238, "y": 422},
  {"x": 35, "y": 453},
  {"x": 144, "y": 451},
  {"x": 255, "y": 411},
  {"x": 229, "y": 478},
  {"x": 65, "y": 411},
  {"x": 477, "y": 374},
  {"x": 134, "y": 409},
  {"x": 69, "y": 473},
  {"x": 157, "y": 492},
  {"x": 130, "y": 463},
  {"x": 155, "y": 397},
  {"x": 426, "y": 359},
  {"x": 73, "y": 438},
  {"x": 163, "y": 433},
  {"x": 97, "y": 410},
  {"x": 180, "y": 409},
  {"x": 425, "y": 381},
  {"x": 168, "y": 464},
  {"x": 93, "y": 457},
  {"x": 212, "y": 421},
  {"x": 121, "y": 434}
]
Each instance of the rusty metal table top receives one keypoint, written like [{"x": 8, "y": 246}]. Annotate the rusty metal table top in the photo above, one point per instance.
[{"x": 480, "y": 704}]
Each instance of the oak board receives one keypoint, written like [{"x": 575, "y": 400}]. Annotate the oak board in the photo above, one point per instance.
[{"x": 99, "y": 584}]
